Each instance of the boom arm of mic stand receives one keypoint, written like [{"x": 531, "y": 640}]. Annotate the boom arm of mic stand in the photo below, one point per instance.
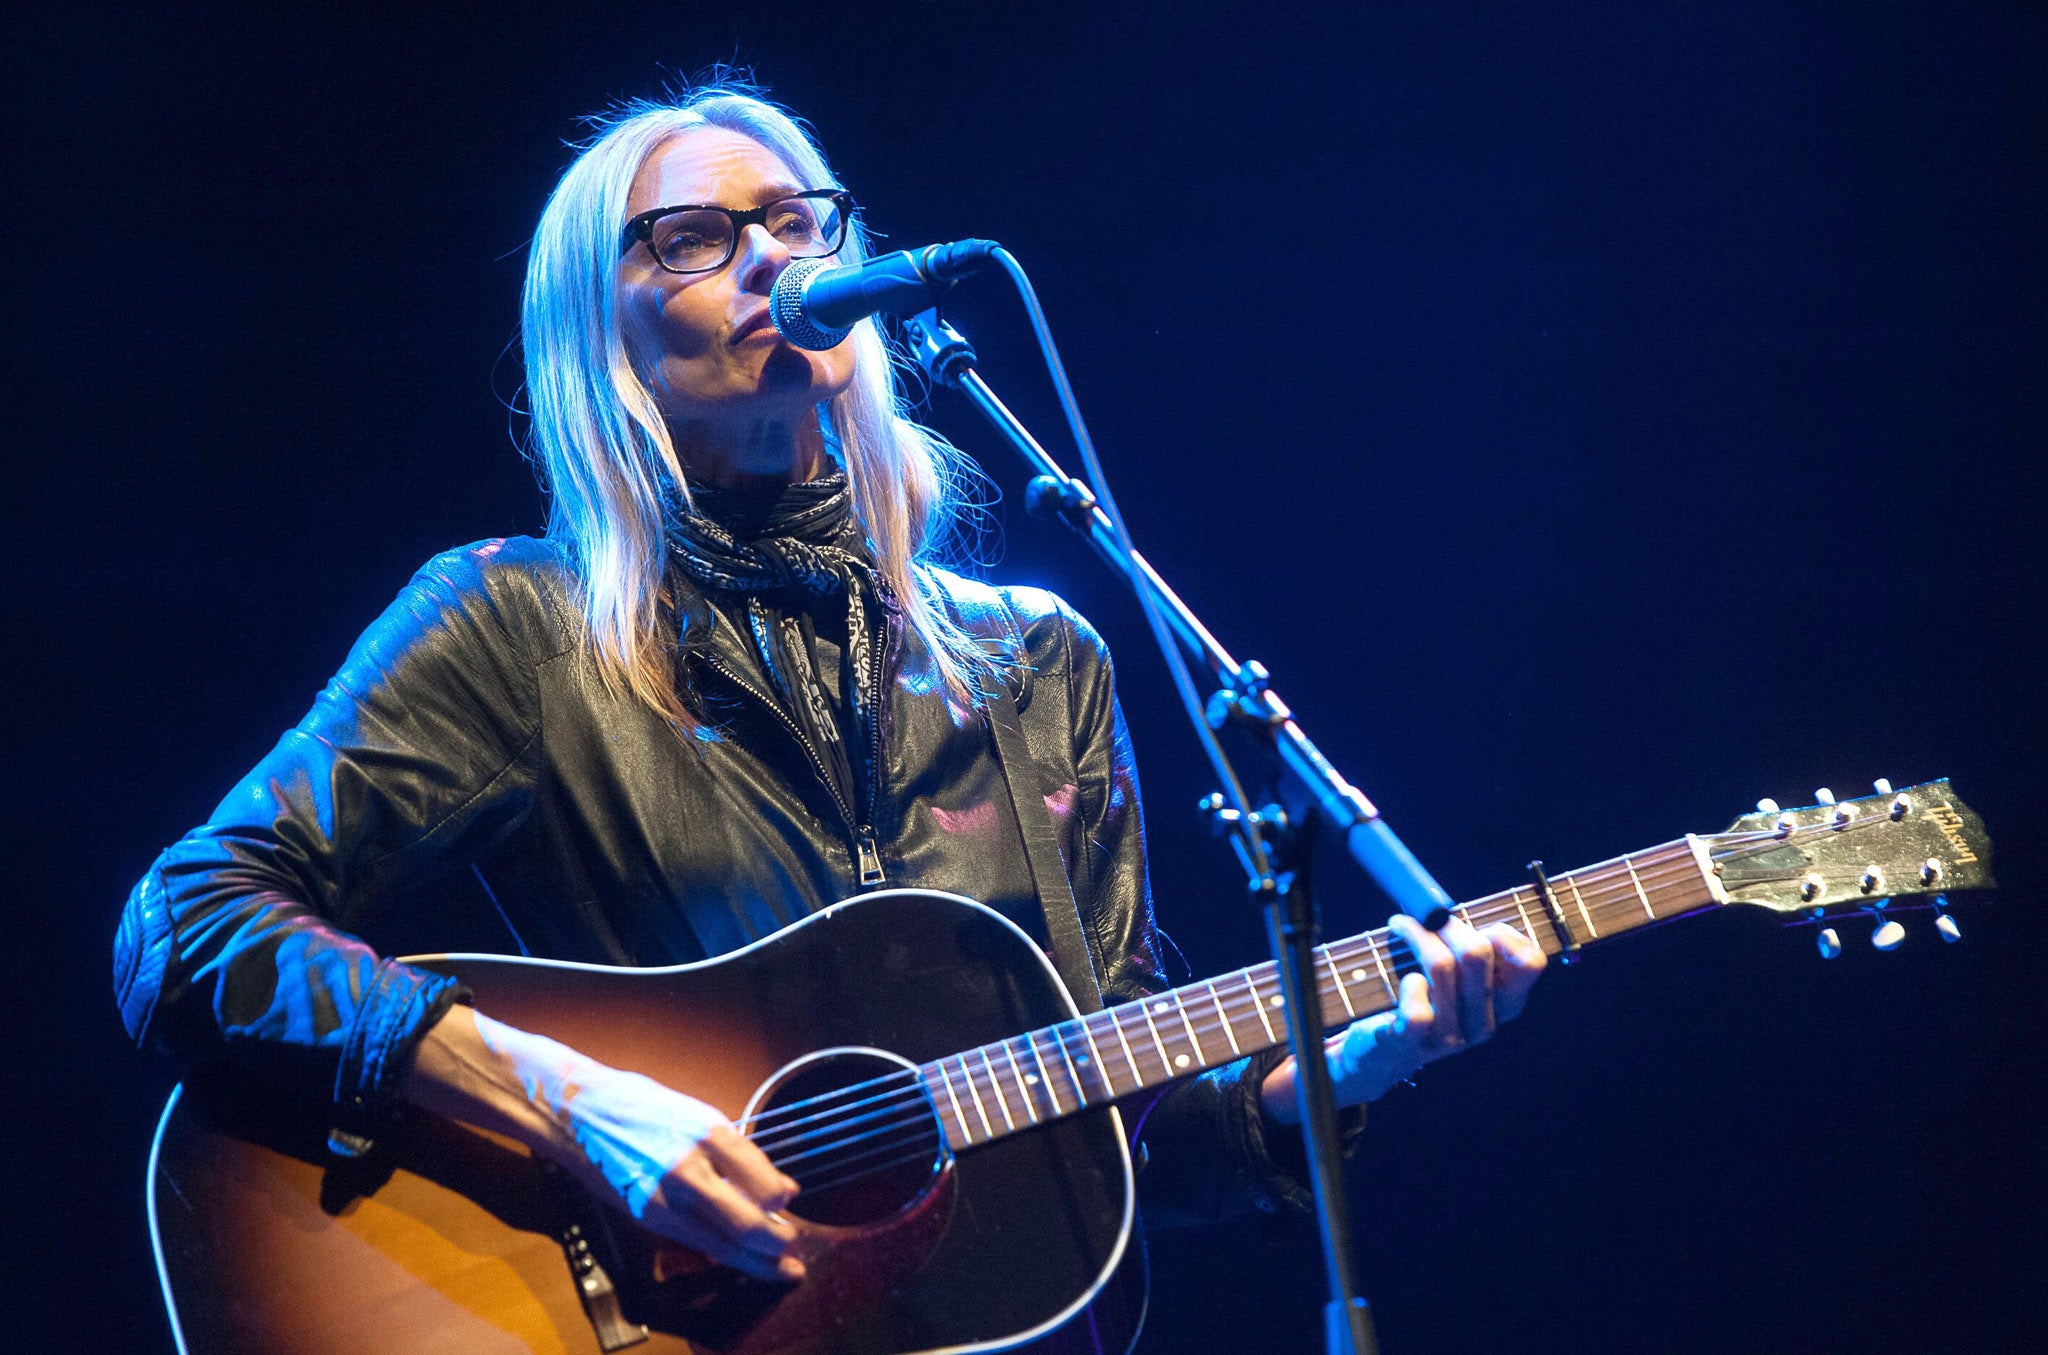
[{"x": 949, "y": 361}]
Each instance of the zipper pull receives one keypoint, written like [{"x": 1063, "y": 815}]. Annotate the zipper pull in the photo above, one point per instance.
[{"x": 869, "y": 856}]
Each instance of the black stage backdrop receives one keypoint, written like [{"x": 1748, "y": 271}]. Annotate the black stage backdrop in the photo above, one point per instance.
[{"x": 1597, "y": 416}]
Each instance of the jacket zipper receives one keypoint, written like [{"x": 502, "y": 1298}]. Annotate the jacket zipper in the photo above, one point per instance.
[
  {"x": 867, "y": 857},
  {"x": 864, "y": 835}
]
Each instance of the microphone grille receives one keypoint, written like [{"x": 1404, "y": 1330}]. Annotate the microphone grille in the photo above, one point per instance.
[{"x": 786, "y": 308}]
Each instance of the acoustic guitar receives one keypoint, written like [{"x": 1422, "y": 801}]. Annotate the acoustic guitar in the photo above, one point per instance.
[{"x": 912, "y": 1059}]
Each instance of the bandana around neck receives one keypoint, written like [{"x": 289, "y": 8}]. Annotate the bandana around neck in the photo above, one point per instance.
[{"x": 801, "y": 538}]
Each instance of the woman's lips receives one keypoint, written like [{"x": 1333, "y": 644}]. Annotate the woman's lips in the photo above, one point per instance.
[{"x": 754, "y": 325}]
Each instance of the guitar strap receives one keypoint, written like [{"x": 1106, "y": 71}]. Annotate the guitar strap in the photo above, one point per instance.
[{"x": 1071, "y": 954}]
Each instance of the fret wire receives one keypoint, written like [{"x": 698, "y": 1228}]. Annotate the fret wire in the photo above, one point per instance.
[
  {"x": 1228, "y": 1033},
  {"x": 1581, "y": 899},
  {"x": 988, "y": 1130},
  {"x": 1023, "y": 1087},
  {"x": 1201, "y": 1056},
  {"x": 1116, "y": 1024},
  {"x": 995, "y": 1085},
  {"x": 1637, "y": 881},
  {"x": 1386, "y": 979},
  {"x": 1101, "y": 1068},
  {"x": 1515, "y": 897},
  {"x": 1059, "y": 1038},
  {"x": 1338, "y": 979},
  {"x": 1165, "y": 1063},
  {"x": 1044, "y": 1078},
  {"x": 966, "y": 1134},
  {"x": 1259, "y": 1006}
]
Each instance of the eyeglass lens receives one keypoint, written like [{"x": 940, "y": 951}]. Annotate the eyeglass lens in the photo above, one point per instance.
[{"x": 702, "y": 238}]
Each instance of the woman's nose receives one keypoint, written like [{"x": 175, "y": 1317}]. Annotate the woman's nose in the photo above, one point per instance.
[{"x": 762, "y": 258}]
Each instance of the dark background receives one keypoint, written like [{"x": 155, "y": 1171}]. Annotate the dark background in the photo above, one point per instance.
[{"x": 1597, "y": 416}]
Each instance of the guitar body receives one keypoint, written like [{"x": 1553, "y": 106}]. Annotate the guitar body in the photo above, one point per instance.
[{"x": 447, "y": 1239}]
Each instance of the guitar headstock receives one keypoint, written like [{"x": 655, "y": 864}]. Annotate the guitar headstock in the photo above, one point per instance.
[{"x": 1855, "y": 854}]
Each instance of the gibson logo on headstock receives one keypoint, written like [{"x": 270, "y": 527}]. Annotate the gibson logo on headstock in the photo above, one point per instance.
[{"x": 1951, "y": 825}]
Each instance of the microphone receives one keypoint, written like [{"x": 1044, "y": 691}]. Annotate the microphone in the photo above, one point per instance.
[{"x": 815, "y": 304}]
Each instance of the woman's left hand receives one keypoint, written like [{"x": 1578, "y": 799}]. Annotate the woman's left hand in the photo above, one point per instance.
[{"x": 1470, "y": 982}]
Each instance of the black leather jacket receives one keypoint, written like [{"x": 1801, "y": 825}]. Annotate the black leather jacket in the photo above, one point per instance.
[{"x": 469, "y": 729}]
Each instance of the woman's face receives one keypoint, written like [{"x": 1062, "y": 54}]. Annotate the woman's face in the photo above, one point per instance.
[{"x": 715, "y": 364}]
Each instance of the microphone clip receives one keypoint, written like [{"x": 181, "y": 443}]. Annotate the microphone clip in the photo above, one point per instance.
[{"x": 941, "y": 350}]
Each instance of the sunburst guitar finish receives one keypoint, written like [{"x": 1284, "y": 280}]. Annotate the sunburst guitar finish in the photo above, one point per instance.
[{"x": 445, "y": 1239}]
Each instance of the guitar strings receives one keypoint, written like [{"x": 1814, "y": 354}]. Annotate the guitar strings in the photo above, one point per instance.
[
  {"x": 1743, "y": 847},
  {"x": 1376, "y": 944},
  {"x": 1593, "y": 895},
  {"x": 921, "y": 1108}
]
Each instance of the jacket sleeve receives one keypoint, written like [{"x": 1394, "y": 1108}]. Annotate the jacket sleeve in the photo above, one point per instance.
[
  {"x": 236, "y": 946},
  {"x": 1211, "y": 1153}
]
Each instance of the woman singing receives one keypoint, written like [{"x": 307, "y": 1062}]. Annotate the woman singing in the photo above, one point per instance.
[{"x": 728, "y": 688}]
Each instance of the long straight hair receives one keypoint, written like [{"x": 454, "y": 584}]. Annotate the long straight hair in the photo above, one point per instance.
[{"x": 604, "y": 449}]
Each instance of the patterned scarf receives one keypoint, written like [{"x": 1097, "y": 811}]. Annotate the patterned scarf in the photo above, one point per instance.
[
  {"x": 805, "y": 540},
  {"x": 780, "y": 555}
]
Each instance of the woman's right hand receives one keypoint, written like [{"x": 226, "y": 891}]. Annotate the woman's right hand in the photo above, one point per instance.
[
  {"x": 681, "y": 1169},
  {"x": 672, "y": 1162}
]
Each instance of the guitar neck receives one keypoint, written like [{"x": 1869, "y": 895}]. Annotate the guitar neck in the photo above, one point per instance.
[{"x": 996, "y": 1089}]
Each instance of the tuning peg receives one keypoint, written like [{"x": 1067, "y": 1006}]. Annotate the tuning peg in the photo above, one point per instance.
[
  {"x": 1828, "y": 943},
  {"x": 1767, "y": 805},
  {"x": 1883, "y": 785},
  {"x": 1824, "y": 796},
  {"x": 1888, "y": 934},
  {"x": 1943, "y": 923}
]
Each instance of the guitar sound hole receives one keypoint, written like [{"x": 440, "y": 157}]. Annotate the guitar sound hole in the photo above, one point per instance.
[{"x": 857, "y": 1130}]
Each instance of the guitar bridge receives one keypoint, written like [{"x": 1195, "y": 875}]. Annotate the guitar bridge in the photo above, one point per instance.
[{"x": 594, "y": 1285}]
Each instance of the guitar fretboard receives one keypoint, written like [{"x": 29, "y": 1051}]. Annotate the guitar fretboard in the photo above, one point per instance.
[{"x": 997, "y": 1089}]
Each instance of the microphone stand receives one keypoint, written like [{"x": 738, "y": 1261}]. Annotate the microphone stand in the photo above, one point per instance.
[{"x": 1242, "y": 694}]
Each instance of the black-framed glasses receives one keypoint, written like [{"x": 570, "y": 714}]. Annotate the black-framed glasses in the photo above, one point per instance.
[{"x": 700, "y": 239}]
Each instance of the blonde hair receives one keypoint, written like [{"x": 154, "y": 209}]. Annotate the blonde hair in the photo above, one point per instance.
[{"x": 604, "y": 451}]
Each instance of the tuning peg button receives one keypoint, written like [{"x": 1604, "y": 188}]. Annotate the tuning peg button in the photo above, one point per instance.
[
  {"x": 1883, "y": 785},
  {"x": 1767, "y": 805},
  {"x": 1828, "y": 943},
  {"x": 1888, "y": 934},
  {"x": 1824, "y": 796},
  {"x": 1946, "y": 926}
]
